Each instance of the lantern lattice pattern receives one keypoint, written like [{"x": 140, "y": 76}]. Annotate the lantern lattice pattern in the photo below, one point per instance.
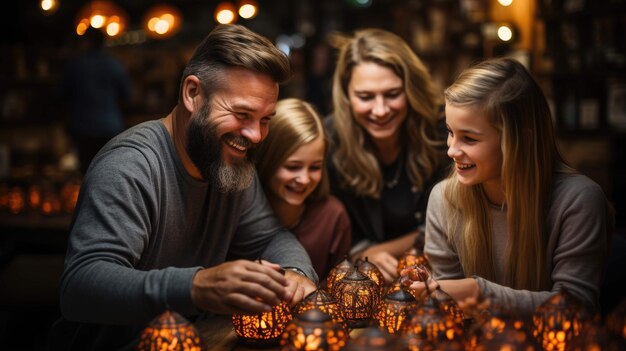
[
  {"x": 371, "y": 270},
  {"x": 357, "y": 296},
  {"x": 411, "y": 259},
  {"x": 557, "y": 321},
  {"x": 170, "y": 331},
  {"x": 373, "y": 339},
  {"x": 498, "y": 328},
  {"x": 337, "y": 272},
  {"x": 313, "y": 330},
  {"x": 593, "y": 337},
  {"x": 449, "y": 306},
  {"x": 262, "y": 328},
  {"x": 325, "y": 302},
  {"x": 393, "y": 310},
  {"x": 429, "y": 326}
]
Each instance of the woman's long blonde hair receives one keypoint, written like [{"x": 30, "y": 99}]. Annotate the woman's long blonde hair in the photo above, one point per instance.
[
  {"x": 296, "y": 123},
  {"x": 511, "y": 99},
  {"x": 354, "y": 158}
]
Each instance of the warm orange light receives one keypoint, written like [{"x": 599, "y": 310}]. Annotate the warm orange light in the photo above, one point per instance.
[
  {"x": 49, "y": 7},
  {"x": 248, "y": 9},
  {"x": 225, "y": 13},
  {"x": 101, "y": 14},
  {"x": 162, "y": 21}
]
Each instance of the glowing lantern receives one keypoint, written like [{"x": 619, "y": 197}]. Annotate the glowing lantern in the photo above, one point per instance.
[
  {"x": 338, "y": 272},
  {"x": 372, "y": 271},
  {"x": 393, "y": 310},
  {"x": 313, "y": 330},
  {"x": 170, "y": 331},
  {"x": 373, "y": 339},
  {"x": 429, "y": 326},
  {"x": 262, "y": 329},
  {"x": 322, "y": 300},
  {"x": 357, "y": 296},
  {"x": 557, "y": 321},
  {"x": 34, "y": 196},
  {"x": 16, "y": 200}
]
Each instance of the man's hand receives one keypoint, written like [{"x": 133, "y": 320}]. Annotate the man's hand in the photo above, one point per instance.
[
  {"x": 386, "y": 263},
  {"x": 241, "y": 286},
  {"x": 298, "y": 287}
]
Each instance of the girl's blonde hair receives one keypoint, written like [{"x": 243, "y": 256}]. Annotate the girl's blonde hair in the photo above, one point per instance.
[
  {"x": 513, "y": 102},
  {"x": 296, "y": 123},
  {"x": 354, "y": 158}
]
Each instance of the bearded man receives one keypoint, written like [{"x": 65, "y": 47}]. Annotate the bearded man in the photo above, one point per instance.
[{"x": 171, "y": 214}]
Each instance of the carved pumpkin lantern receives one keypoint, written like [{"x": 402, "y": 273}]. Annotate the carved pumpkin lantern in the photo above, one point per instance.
[
  {"x": 170, "y": 331},
  {"x": 357, "y": 296},
  {"x": 324, "y": 301},
  {"x": 557, "y": 321},
  {"x": 313, "y": 330},
  {"x": 262, "y": 329},
  {"x": 393, "y": 310},
  {"x": 337, "y": 272}
]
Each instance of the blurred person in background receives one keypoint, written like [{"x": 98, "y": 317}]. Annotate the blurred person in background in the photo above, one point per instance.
[
  {"x": 96, "y": 85},
  {"x": 292, "y": 168},
  {"x": 387, "y": 144}
]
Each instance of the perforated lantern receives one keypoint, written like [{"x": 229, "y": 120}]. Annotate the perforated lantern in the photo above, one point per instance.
[
  {"x": 338, "y": 272},
  {"x": 324, "y": 301},
  {"x": 373, "y": 338},
  {"x": 393, "y": 309},
  {"x": 357, "y": 296},
  {"x": 497, "y": 328},
  {"x": 557, "y": 321},
  {"x": 262, "y": 329},
  {"x": 429, "y": 326},
  {"x": 313, "y": 330},
  {"x": 449, "y": 306},
  {"x": 170, "y": 331},
  {"x": 371, "y": 270}
]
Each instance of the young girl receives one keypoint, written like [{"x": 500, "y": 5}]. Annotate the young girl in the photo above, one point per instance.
[
  {"x": 512, "y": 221},
  {"x": 292, "y": 169}
]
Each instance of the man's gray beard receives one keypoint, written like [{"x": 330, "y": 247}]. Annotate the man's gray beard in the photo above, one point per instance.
[{"x": 232, "y": 178}]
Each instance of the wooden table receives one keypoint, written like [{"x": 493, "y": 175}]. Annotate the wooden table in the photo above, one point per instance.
[{"x": 218, "y": 335}]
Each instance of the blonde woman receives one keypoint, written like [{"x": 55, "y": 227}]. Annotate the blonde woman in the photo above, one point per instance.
[
  {"x": 512, "y": 221},
  {"x": 387, "y": 147},
  {"x": 291, "y": 166}
]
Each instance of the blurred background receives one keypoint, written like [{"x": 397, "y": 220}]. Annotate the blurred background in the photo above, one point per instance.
[{"x": 576, "y": 50}]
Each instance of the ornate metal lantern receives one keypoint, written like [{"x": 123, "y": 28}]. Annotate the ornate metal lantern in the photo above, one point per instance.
[
  {"x": 357, "y": 296},
  {"x": 338, "y": 272},
  {"x": 373, "y": 339},
  {"x": 393, "y": 310},
  {"x": 497, "y": 328},
  {"x": 429, "y": 326},
  {"x": 170, "y": 331},
  {"x": 372, "y": 271},
  {"x": 262, "y": 329},
  {"x": 411, "y": 258},
  {"x": 325, "y": 302},
  {"x": 557, "y": 321},
  {"x": 313, "y": 330}
]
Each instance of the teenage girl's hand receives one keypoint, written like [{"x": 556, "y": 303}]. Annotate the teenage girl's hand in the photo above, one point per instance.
[
  {"x": 417, "y": 278},
  {"x": 298, "y": 287}
]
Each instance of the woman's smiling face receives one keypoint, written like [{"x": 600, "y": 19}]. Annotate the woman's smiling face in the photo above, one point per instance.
[{"x": 378, "y": 100}]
